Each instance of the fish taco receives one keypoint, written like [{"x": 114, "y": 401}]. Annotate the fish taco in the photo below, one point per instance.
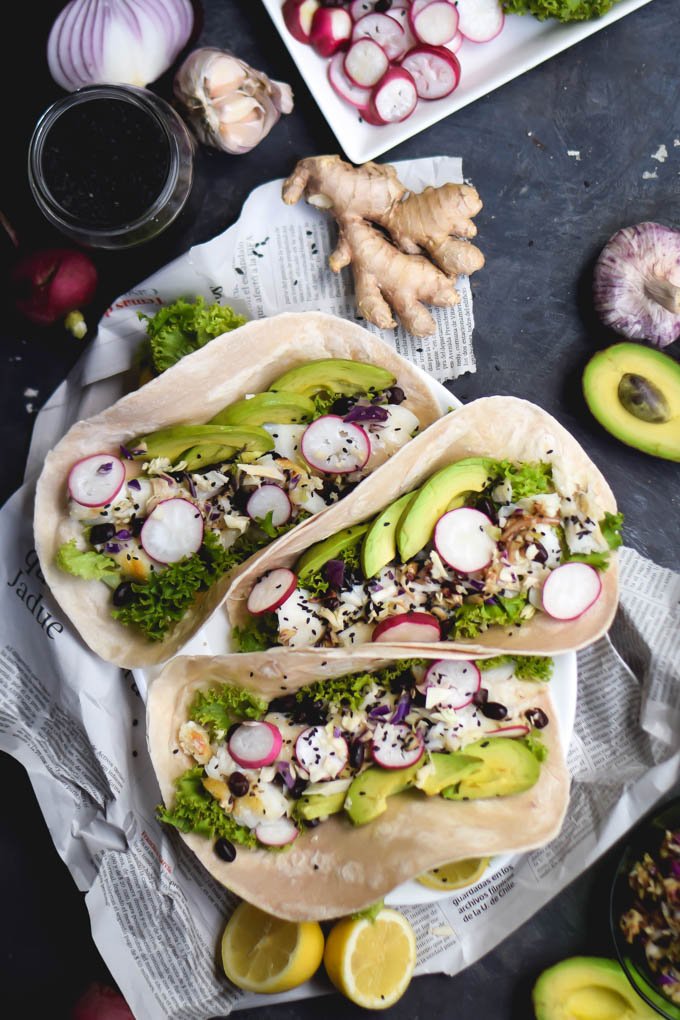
[{"x": 144, "y": 511}]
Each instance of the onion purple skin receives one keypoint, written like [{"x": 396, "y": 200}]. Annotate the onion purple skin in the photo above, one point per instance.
[{"x": 635, "y": 259}]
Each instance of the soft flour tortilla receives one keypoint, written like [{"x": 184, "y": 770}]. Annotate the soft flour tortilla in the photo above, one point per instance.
[
  {"x": 497, "y": 427},
  {"x": 245, "y": 361},
  {"x": 337, "y": 868}
]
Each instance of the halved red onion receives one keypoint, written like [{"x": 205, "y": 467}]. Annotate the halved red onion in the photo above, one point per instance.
[
  {"x": 255, "y": 744},
  {"x": 173, "y": 530},
  {"x": 396, "y": 746},
  {"x": 96, "y": 480},
  {"x": 269, "y": 499},
  {"x": 453, "y": 684},
  {"x": 334, "y": 446},
  {"x": 408, "y": 627},
  {"x": 271, "y": 591},
  {"x": 462, "y": 541}
]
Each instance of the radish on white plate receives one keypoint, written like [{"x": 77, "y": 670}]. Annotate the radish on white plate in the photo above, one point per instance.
[
  {"x": 277, "y": 833},
  {"x": 396, "y": 746},
  {"x": 297, "y": 17},
  {"x": 255, "y": 744},
  {"x": 365, "y": 62},
  {"x": 172, "y": 531},
  {"x": 436, "y": 23},
  {"x": 453, "y": 683},
  {"x": 462, "y": 540},
  {"x": 408, "y": 627},
  {"x": 455, "y": 44},
  {"x": 271, "y": 591},
  {"x": 435, "y": 71},
  {"x": 394, "y": 98},
  {"x": 358, "y": 8},
  {"x": 570, "y": 590},
  {"x": 334, "y": 446},
  {"x": 320, "y": 753},
  {"x": 96, "y": 480},
  {"x": 386, "y": 31},
  {"x": 345, "y": 88},
  {"x": 331, "y": 28},
  {"x": 269, "y": 499},
  {"x": 518, "y": 730},
  {"x": 480, "y": 20}
]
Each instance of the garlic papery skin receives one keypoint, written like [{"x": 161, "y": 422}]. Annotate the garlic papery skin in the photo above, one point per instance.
[
  {"x": 636, "y": 283},
  {"x": 228, "y": 104}
]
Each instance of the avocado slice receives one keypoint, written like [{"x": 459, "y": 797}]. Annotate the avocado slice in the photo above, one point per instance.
[
  {"x": 444, "y": 770},
  {"x": 267, "y": 409},
  {"x": 380, "y": 543},
  {"x": 367, "y": 796},
  {"x": 507, "y": 767},
  {"x": 435, "y": 497},
  {"x": 319, "y": 805},
  {"x": 178, "y": 439},
  {"x": 203, "y": 456},
  {"x": 331, "y": 548},
  {"x": 334, "y": 375},
  {"x": 634, "y": 392},
  {"x": 587, "y": 988}
]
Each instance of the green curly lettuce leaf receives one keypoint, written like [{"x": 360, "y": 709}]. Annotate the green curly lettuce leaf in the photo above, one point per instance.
[
  {"x": 90, "y": 565},
  {"x": 473, "y": 618},
  {"x": 258, "y": 634},
  {"x": 610, "y": 526},
  {"x": 316, "y": 583},
  {"x": 527, "y": 479},
  {"x": 221, "y": 706},
  {"x": 195, "y": 810},
  {"x": 369, "y": 913},
  {"x": 534, "y": 744},
  {"x": 561, "y": 10},
  {"x": 525, "y": 667},
  {"x": 182, "y": 327},
  {"x": 349, "y": 691}
]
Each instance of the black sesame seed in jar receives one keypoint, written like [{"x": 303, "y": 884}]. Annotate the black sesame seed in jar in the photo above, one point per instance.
[
  {"x": 123, "y": 595},
  {"x": 225, "y": 850},
  {"x": 238, "y": 784},
  {"x": 101, "y": 533},
  {"x": 537, "y": 718},
  {"x": 493, "y": 710}
]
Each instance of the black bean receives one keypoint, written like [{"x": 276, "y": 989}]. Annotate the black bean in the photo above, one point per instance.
[
  {"x": 494, "y": 710},
  {"x": 298, "y": 788},
  {"x": 537, "y": 718},
  {"x": 395, "y": 394},
  {"x": 225, "y": 850},
  {"x": 342, "y": 405},
  {"x": 487, "y": 507},
  {"x": 136, "y": 525},
  {"x": 481, "y": 696},
  {"x": 123, "y": 595},
  {"x": 357, "y": 749},
  {"x": 101, "y": 533},
  {"x": 238, "y": 784}
]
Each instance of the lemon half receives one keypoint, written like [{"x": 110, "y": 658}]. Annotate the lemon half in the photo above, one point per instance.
[
  {"x": 265, "y": 954},
  {"x": 371, "y": 962},
  {"x": 455, "y": 875}
]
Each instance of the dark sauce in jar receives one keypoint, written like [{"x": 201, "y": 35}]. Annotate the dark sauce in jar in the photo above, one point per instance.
[{"x": 106, "y": 161}]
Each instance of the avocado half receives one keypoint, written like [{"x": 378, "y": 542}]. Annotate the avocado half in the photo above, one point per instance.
[
  {"x": 634, "y": 392},
  {"x": 588, "y": 988}
]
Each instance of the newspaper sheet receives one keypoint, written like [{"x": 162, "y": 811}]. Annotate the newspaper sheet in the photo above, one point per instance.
[{"x": 77, "y": 723}]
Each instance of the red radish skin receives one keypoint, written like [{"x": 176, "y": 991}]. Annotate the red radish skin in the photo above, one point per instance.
[
  {"x": 396, "y": 746},
  {"x": 269, "y": 499},
  {"x": 463, "y": 679},
  {"x": 297, "y": 17},
  {"x": 278, "y": 833},
  {"x": 509, "y": 731},
  {"x": 436, "y": 23},
  {"x": 271, "y": 591},
  {"x": 101, "y": 1002},
  {"x": 408, "y": 627},
  {"x": 570, "y": 590},
  {"x": 480, "y": 20},
  {"x": 254, "y": 745},
  {"x": 435, "y": 71},
  {"x": 365, "y": 62},
  {"x": 334, "y": 446},
  {"x": 461, "y": 539},
  {"x": 345, "y": 88},
  {"x": 53, "y": 282},
  {"x": 386, "y": 31},
  {"x": 92, "y": 484},
  {"x": 331, "y": 29},
  {"x": 394, "y": 98},
  {"x": 172, "y": 531}
]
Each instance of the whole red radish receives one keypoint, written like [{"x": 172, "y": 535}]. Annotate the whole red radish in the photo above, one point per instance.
[
  {"x": 101, "y": 1002},
  {"x": 55, "y": 283}
]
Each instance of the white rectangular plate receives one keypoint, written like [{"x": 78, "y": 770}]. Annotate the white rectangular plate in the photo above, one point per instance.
[{"x": 523, "y": 43}]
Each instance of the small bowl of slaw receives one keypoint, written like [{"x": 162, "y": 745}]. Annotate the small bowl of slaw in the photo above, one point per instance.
[{"x": 645, "y": 909}]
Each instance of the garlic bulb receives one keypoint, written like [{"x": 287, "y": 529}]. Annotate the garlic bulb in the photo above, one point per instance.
[
  {"x": 636, "y": 283},
  {"x": 228, "y": 104}
]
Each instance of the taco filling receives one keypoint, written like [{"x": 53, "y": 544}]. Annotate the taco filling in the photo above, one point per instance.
[
  {"x": 265, "y": 771},
  {"x": 164, "y": 517},
  {"x": 481, "y": 543}
]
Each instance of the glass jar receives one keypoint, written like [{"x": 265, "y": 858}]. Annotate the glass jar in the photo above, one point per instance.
[{"x": 111, "y": 166}]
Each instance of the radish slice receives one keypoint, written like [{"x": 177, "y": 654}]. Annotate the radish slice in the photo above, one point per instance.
[
  {"x": 359, "y": 8},
  {"x": 386, "y": 31},
  {"x": 271, "y": 591},
  {"x": 320, "y": 753},
  {"x": 278, "y": 833},
  {"x": 436, "y": 23},
  {"x": 96, "y": 480},
  {"x": 509, "y": 731},
  {"x": 269, "y": 499},
  {"x": 434, "y": 69},
  {"x": 408, "y": 627},
  {"x": 365, "y": 62},
  {"x": 570, "y": 590},
  {"x": 345, "y": 88},
  {"x": 450, "y": 684},
  {"x": 480, "y": 20},
  {"x": 455, "y": 44},
  {"x": 297, "y": 17},
  {"x": 253, "y": 745},
  {"x": 334, "y": 446},
  {"x": 396, "y": 746},
  {"x": 394, "y": 98},
  {"x": 331, "y": 28},
  {"x": 173, "y": 530},
  {"x": 462, "y": 541}
]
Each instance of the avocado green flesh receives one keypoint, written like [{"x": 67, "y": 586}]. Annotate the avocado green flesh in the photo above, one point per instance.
[
  {"x": 173, "y": 442},
  {"x": 203, "y": 456},
  {"x": 334, "y": 375},
  {"x": 319, "y": 805},
  {"x": 444, "y": 770},
  {"x": 314, "y": 558},
  {"x": 507, "y": 766},
  {"x": 435, "y": 497},
  {"x": 267, "y": 409},
  {"x": 656, "y": 396},
  {"x": 587, "y": 988},
  {"x": 380, "y": 543},
  {"x": 366, "y": 798}
]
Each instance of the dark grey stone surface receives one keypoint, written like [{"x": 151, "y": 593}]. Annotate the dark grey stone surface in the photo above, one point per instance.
[{"x": 614, "y": 99}]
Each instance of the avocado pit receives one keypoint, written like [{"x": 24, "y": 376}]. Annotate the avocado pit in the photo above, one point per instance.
[{"x": 643, "y": 399}]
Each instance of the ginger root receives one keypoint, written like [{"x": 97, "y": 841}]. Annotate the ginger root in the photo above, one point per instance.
[{"x": 430, "y": 234}]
